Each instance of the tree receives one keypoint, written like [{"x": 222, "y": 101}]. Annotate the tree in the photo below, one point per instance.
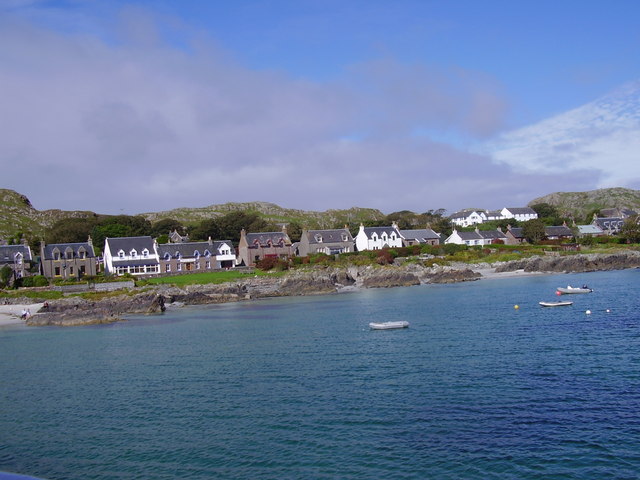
[
  {"x": 166, "y": 226},
  {"x": 533, "y": 230},
  {"x": 232, "y": 223},
  {"x": 6, "y": 274},
  {"x": 205, "y": 229},
  {"x": 545, "y": 210},
  {"x": 71, "y": 230},
  {"x": 294, "y": 230},
  {"x": 630, "y": 230}
]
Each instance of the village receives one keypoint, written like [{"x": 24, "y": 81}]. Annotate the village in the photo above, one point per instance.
[{"x": 144, "y": 256}]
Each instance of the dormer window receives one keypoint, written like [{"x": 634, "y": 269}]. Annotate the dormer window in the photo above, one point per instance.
[
  {"x": 56, "y": 254},
  {"x": 177, "y": 255},
  {"x": 18, "y": 258},
  {"x": 68, "y": 254},
  {"x": 145, "y": 253},
  {"x": 133, "y": 253},
  {"x": 318, "y": 238},
  {"x": 345, "y": 238},
  {"x": 121, "y": 254},
  {"x": 167, "y": 256},
  {"x": 196, "y": 254},
  {"x": 82, "y": 254}
]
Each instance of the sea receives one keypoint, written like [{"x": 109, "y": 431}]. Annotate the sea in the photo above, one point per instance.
[{"x": 484, "y": 384}]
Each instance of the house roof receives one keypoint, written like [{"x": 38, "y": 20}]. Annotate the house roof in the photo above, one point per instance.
[
  {"x": 521, "y": 210},
  {"x": 189, "y": 249},
  {"x": 469, "y": 235},
  {"x": 617, "y": 212},
  {"x": 421, "y": 235},
  {"x": 516, "y": 232},
  {"x": 465, "y": 213},
  {"x": 63, "y": 247},
  {"x": 264, "y": 238},
  {"x": 608, "y": 223},
  {"x": 589, "y": 229},
  {"x": 369, "y": 231},
  {"x": 329, "y": 236},
  {"x": 492, "y": 234},
  {"x": 8, "y": 253},
  {"x": 130, "y": 243},
  {"x": 558, "y": 231}
]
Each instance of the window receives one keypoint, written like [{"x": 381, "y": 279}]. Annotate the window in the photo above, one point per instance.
[
  {"x": 145, "y": 253},
  {"x": 167, "y": 267},
  {"x": 197, "y": 265},
  {"x": 121, "y": 254},
  {"x": 179, "y": 267},
  {"x": 133, "y": 253},
  {"x": 208, "y": 265},
  {"x": 82, "y": 254},
  {"x": 56, "y": 255},
  {"x": 68, "y": 254},
  {"x": 18, "y": 259},
  {"x": 70, "y": 270},
  {"x": 318, "y": 238},
  {"x": 56, "y": 271}
]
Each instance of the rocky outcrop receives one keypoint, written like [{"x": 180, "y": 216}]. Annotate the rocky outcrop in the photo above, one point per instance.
[
  {"x": 574, "y": 263},
  {"x": 453, "y": 276}
]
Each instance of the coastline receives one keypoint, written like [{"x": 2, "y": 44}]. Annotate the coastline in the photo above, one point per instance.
[{"x": 77, "y": 311}]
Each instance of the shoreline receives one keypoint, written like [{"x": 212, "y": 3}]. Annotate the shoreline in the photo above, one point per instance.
[{"x": 77, "y": 311}]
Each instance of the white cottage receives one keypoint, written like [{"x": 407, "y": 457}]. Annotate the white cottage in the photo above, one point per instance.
[
  {"x": 377, "y": 238},
  {"x": 134, "y": 255}
]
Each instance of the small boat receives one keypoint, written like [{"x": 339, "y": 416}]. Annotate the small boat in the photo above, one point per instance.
[
  {"x": 388, "y": 325},
  {"x": 571, "y": 289},
  {"x": 558, "y": 303}
]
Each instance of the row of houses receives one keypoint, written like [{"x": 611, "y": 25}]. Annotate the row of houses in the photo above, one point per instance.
[
  {"x": 468, "y": 218},
  {"x": 144, "y": 256}
]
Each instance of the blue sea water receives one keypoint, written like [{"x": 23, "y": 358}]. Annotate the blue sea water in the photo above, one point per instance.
[{"x": 301, "y": 388}]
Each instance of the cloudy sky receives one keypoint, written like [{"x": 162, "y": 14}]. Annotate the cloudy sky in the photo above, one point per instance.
[{"x": 148, "y": 105}]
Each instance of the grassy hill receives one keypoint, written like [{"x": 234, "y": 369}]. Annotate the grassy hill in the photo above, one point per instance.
[
  {"x": 582, "y": 204},
  {"x": 272, "y": 213},
  {"x": 18, "y": 217}
]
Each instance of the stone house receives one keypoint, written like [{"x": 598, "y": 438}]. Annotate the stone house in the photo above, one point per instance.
[
  {"x": 68, "y": 260},
  {"x": 330, "y": 242},
  {"x": 256, "y": 246},
  {"x": 424, "y": 236},
  {"x": 514, "y": 236},
  {"x": 17, "y": 257}
]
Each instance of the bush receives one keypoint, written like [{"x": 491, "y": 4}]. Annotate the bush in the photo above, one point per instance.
[
  {"x": 34, "y": 281},
  {"x": 272, "y": 263}
]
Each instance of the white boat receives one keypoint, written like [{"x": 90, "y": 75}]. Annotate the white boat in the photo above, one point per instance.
[
  {"x": 571, "y": 289},
  {"x": 558, "y": 303},
  {"x": 388, "y": 325}
]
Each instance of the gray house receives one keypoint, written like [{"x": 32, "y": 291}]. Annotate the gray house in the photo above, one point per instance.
[
  {"x": 68, "y": 260},
  {"x": 256, "y": 246},
  {"x": 424, "y": 236},
  {"x": 330, "y": 242},
  {"x": 17, "y": 257}
]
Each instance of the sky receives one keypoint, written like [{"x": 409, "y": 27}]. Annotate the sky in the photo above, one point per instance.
[{"x": 149, "y": 105}]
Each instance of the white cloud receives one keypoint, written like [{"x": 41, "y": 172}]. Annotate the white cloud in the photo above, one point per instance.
[{"x": 602, "y": 136}]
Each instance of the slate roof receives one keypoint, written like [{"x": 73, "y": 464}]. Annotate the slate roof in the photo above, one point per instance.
[
  {"x": 516, "y": 232},
  {"x": 469, "y": 235},
  {"x": 63, "y": 247},
  {"x": 558, "y": 231},
  {"x": 421, "y": 235},
  {"x": 329, "y": 236},
  {"x": 262, "y": 239},
  {"x": 522, "y": 210},
  {"x": 189, "y": 249},
  {"x": 130, "y": 243},
  {"x": 8, "y": 253},
  {"x": 369, "y": 231},
  {"x": 617, "y": 212},
  {"x": 465, "y": 213},
  {"x": 492, "y": 234},
  {"x": 609, "y": 223}
]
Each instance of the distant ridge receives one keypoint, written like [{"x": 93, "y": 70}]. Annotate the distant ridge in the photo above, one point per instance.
[
  {"x": 581, "y": 204},
  {"x": 273, "y": 213}
]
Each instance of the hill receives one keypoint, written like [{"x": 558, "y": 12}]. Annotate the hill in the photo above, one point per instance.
[
  {"x": 19, "y": 218},
  {"x": 272, "y": 213},
  {"x": 582, "y": 204}
]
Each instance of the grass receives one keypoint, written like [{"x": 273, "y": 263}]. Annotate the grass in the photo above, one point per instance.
[
  {"x": 209, "y": 277},
  {"x": 36, "y": 295}
]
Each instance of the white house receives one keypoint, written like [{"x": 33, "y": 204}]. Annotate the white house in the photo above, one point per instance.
[
  {"x": 466, "y": 218},
  {"x": 523, "y": 214},
  {"x": 134, "y": 255},
  {"x": 376, "y": 238},
  {"x": 465, "y": 238}
]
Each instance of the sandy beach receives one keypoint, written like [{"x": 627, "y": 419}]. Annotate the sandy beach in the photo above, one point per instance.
[{"x": 10, "y": 314}]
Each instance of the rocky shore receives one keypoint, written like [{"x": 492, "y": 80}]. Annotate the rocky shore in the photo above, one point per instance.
[{"x": 72, "y": 311}]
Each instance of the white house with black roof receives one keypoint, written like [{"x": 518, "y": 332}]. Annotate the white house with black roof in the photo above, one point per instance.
[
  {"x": 467, "y": 218},
  {"x": 377, "y": 238},
  {"x": 469, "y": 239},
  {"x": 196, "y": 256},
  {"x": 330, "y": 242},
  {"x": 521, "y": 214},
  {"x": 134, "y": 255}
]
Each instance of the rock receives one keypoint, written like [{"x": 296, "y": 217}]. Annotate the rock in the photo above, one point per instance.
[{"x": 452, "y": 276}]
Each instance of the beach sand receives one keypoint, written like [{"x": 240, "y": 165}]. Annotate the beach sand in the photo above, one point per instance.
[{"x": 10, "y": 314}]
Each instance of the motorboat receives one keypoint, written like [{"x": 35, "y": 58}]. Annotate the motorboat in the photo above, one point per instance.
[
  {"x": 388, "y": 325},
  {"x": 570, "y": 289},
  {"x": 558, "y": 303}
]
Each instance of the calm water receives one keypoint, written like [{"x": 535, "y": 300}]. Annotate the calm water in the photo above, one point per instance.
[{"x": 301, "y": 388}]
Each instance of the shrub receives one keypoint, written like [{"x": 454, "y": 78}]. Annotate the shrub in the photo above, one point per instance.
[
  {"x": 34, "y": 281},
  {"x": 272, "y": 263}
]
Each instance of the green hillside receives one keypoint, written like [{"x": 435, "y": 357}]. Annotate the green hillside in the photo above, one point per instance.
[
  {"x": 582, "y": 204},
  {"x": 272, "y": 213}
]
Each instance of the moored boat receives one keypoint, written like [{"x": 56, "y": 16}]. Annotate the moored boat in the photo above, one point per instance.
[
  {"x": 558, "y": 303},
  {"x": 388, "y": 325},
  {"x": 570, "y": 289}
]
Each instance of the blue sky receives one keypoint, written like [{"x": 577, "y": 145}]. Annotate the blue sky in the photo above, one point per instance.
[{"x": 317, "y": 104}]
